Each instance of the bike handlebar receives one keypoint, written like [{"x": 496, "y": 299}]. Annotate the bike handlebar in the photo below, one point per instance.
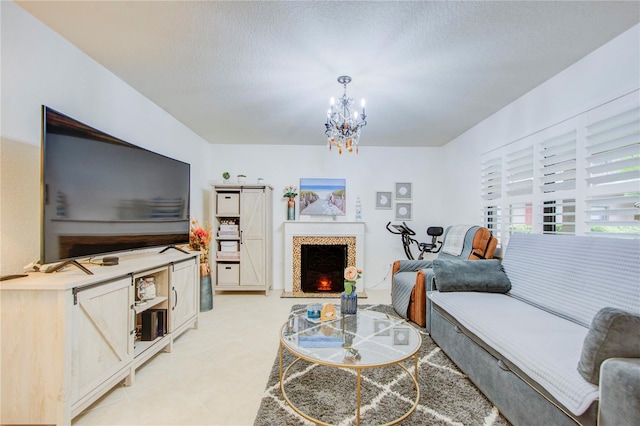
[{"x": 401, "y": 229}]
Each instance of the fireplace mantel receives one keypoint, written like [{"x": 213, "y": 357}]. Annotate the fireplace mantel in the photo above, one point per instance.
[{"x": 296, "y": 228}]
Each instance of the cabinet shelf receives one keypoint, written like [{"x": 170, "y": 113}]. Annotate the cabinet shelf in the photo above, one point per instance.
[
  {"x": 150, "y": 304},
  {"x": 141, "y": 346}
]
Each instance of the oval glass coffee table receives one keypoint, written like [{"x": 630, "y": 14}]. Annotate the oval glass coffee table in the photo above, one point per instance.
[{"x": 361, "y": 341}]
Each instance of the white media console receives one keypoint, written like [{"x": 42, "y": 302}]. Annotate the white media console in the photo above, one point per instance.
[{"x": 68, "y": 337}]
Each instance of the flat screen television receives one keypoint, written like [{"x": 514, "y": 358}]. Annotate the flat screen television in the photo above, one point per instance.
[{"x": 103, "y": 195}]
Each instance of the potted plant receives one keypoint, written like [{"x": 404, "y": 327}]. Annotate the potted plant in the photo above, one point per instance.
[
  {"x": 226, "y": 177},
  {"x": 242, "y": 178}
]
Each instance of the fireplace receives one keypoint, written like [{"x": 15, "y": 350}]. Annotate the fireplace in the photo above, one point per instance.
[
  {"x": 299, "y": 234},
  {"x": 322, "y": 267}
]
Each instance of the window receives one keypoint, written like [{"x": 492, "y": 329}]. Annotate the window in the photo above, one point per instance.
[
  {"x": 520, "y": 218},
  {"x": 558, "y": 163},
  {"x": 559, "y": 217},
  {"x": 492, "y": 179},
  {"x": 613, "y": 173},
  {"x": 618, "y": 215},
  {"x": 492, "y": 221},
  {"x": 580, "y": 176},
  {"x": 520, "y": 172}
]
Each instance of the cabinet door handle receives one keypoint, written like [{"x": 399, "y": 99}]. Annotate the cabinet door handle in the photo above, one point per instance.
[
  {"x": 241, "y": 237},
  {"x": 133, "y": 332},
  {"x": 176, "y": 298}
]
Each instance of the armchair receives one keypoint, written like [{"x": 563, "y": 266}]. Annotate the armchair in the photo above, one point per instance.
[{"x": 411, "y": 279}]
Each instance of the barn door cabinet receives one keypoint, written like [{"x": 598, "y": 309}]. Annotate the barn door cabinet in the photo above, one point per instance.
[
  {"x": 68, "y": 337},
  {"x": 243, "y": 237}
]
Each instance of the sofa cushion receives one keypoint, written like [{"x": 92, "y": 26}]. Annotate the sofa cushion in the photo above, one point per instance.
[
  {"x": 614, "y": 333},
  {"x": 470, "y": 275},
  {"x": 543, "y": 346}
]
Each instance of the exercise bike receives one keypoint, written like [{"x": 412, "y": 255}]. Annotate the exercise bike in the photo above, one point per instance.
[{"x": 407, "y": 233}]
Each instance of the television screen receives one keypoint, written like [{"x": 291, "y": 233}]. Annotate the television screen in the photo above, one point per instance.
[{"x": 102, "y": 195}]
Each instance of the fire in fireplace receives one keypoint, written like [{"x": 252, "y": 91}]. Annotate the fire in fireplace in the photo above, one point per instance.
[{"x": 322, "y": 267}]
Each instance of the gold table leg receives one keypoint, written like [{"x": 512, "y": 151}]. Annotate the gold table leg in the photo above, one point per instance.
[
  {"x": 358, "y": 398},
  {"x": 284, "y": 373},
  {"x": 280, "y": 351}
]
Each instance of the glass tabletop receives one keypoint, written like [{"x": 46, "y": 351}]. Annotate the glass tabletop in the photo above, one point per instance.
[{"x": 366, "y": 339}]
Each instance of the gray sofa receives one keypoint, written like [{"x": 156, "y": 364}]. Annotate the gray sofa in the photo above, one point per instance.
[{"x": 522, "y": 347}]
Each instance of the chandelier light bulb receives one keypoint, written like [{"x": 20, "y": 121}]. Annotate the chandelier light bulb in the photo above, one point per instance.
[
  {"x": 355, "y": 114},
  {"x": 362, "y": 103},
  {"x": 332, "y": 101}
]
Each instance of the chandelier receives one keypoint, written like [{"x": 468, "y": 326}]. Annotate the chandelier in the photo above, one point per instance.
[{"x": 343, "y": 124}]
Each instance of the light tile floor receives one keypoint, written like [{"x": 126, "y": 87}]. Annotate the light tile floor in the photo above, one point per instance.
[{"x": 215, "y": 375}]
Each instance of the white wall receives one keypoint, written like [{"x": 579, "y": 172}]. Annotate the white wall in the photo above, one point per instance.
[
  {"x": 40, "y": 67},
  {"x": 605, "y": 74},
  {"x": 373, "y": 169}
]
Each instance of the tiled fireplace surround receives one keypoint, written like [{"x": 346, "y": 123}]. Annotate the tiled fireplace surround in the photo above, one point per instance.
[{"x": 297, "y": 233}]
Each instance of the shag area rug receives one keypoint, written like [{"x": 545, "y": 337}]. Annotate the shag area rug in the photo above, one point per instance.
[{"x": 447, "y": 396}]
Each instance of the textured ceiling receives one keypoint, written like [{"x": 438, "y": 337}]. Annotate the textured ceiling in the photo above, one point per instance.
[{"x": 263, "y": 72}]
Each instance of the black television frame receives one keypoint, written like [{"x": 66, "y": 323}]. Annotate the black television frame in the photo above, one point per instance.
[{"x": 69, "y": 126}]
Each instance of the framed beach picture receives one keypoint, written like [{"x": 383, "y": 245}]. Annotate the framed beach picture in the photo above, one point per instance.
[
  {"x": 323, "y": 197},
  {"x": 383, "y": 200},
  {"x": 403, "y": 191},
  {"x": 403, "y": 211}
]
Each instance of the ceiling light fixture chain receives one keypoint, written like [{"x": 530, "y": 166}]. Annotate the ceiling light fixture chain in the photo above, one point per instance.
[{"x": 343, "y": 124}]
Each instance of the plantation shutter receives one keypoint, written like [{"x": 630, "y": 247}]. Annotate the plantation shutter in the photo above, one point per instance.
[
  {"x": 520, "y": 172},
  {"x": 558, "y": 163},
  {"x": 492, "y": 218},
  {"x": 520, "y": 217},
  {"x": 613, "y": 173},
  {"x": 613, "y": 146},
  {"x": 559, "y": 217},
  {"x": 491, "y": 179}
]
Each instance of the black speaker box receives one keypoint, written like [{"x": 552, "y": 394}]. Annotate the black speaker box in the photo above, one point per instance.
[
  {"x": 149, "y": 325},
  {"x": 162, "y": 321}
]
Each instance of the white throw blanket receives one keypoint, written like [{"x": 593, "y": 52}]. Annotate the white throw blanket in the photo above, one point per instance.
[
  {"x": 544, "y": 346},
  {"x": 454, "y": 242}
]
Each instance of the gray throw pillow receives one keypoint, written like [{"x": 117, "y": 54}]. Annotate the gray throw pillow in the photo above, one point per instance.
[
  {"x": 614, "y": 333},
  {"x": 470, "y": 275}
]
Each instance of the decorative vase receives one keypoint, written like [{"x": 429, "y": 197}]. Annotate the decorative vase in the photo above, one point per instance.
[
  {"x": 206, "y": 293},
  {"x": 291, "y": 209},
  {"x": 349, "y": 303}
]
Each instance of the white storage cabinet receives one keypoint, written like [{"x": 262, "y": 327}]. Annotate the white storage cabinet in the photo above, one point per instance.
[{"x": 243, "y": 237}]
